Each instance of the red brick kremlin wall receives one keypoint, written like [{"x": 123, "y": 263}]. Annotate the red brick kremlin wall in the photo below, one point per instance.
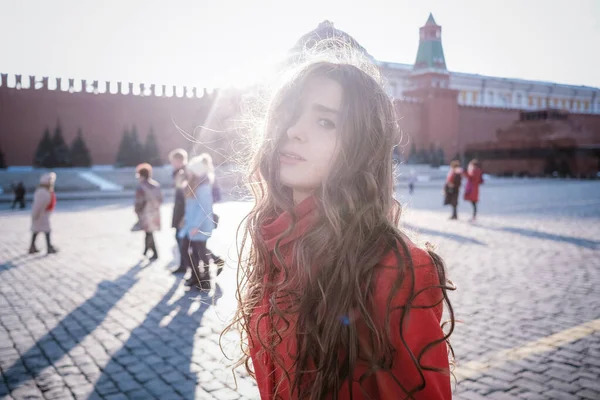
[{"x": 25, "y": 113}]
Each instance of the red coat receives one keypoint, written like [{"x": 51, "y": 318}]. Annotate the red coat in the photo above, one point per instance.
[
  {"x": 474, "y": 179},
  {"x": 421, "y": 327}
]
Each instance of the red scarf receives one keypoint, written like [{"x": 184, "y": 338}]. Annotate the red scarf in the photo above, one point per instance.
[
  {"x": 305, "y": 215},
  {"x": 52, "y": 203},
  {"x": 267, "y": 374}
]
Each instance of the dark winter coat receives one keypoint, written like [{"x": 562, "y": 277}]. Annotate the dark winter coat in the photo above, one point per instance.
[
  {"x": 452, "y": 188},
  {"x": 19, "y": 191}
]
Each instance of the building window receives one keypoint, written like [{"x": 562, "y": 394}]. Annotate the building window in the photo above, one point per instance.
[
  {"x": 463, "y": 97},
  {"x": 577, "y": 105},
  {"x": 518, "y": 99},
  {"x": 490, "y": 98},
  {"x": 530, "y": 101},
  {"x": 586, "y": 106},
  {"x": 474, "y": 97}
]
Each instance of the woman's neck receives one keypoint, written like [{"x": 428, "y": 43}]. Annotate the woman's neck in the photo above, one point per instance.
[{"x": 300, "y": 195}]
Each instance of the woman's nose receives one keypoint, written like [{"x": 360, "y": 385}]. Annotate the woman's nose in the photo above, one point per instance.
[{"x": 297, "y": 130}]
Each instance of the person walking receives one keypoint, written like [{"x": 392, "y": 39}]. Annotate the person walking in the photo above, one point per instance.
[
  {"x": 44, "y": 202},
  {"x": 474, "y": 176},
  {"x": 199, "y": 221},
  {"x": 19, "y": 191},
  {"x": 148, "y": 198},
  {"x": 178, "y": 159},
  {"x": 452, "y": 187}
]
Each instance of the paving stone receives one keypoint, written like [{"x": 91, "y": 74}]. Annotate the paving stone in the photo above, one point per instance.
[
  {"x": 559, "y": 395},
  {"x": 139, "y": 394},
  {"x": 589, "y": 384},
  {"x": 158, "y": 388},
  {"x": 119, "y": 396},
  {"x": 588, "y": 394},
  {"x": 530, "y": 385},
  {"x": 225, "y": 394}
]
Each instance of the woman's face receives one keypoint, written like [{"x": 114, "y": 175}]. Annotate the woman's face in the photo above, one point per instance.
[{"x": 309, "y": 148}]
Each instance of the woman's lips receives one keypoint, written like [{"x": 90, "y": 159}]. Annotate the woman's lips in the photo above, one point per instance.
[{"x": 286, "y": 157}]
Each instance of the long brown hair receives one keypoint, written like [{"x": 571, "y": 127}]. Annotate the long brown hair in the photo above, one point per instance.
[{"x": 357, "y": 225}]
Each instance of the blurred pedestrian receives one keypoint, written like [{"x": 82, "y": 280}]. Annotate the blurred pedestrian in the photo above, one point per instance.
[
  {"x": 199, "y": 221},
  {"x": 412, "y": 179},
  {"x": 178, "y": 159},
  {"x": 452, "y": 187},
  {"x": 148, "y": 198},
  {"x": 44, "y": 202},
  {"x": 19, "y": 191},
  {"x": 474, "y": 177}
]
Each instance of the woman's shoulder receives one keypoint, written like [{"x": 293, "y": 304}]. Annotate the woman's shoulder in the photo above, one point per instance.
[
  {"x": 409, "y": 251},
  {"x": 414, "y": 268}
]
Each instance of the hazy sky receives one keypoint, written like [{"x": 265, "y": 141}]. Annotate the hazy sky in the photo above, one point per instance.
[{"x": 209, "y": 43}]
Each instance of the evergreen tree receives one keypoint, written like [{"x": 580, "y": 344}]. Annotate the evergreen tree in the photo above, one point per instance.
[
  {"x": 137, "y": 150},
  {"x": 423, "y": 156},
  {"x": 44, "y": 154},
  {"x": 440, "y": 156},
  {"x": 412, "y": 159},
  {"x": 2, "y": 160},
  {"x": 62, "y": 156},
  {"x": 80, "y": 155},
  {"x": 433, "y": 156},
  {"x": 151, "y": 154},
  {"x": 125, "y": 151}
]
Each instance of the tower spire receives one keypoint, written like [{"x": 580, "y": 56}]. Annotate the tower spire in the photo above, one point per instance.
[
  {"x": 430, "y": 20},
  {"x": 430, "y": 55}
]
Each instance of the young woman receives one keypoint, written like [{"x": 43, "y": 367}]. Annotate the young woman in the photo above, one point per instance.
[
  {"x": 148, "y": 199},
  {"x": 335, "y": 302},
  {"x": 199, "y": 221},
  {"x": 452, "y": 187},
  {"x": 44, "y": 202},
  {"x": 474, "y": 177}
]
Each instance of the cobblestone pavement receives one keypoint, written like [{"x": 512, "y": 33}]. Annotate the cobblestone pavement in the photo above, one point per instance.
[{"x": 96, "y": 321}]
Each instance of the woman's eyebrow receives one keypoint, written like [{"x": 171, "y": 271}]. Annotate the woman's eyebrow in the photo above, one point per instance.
[{"x": 322, "y": 108}]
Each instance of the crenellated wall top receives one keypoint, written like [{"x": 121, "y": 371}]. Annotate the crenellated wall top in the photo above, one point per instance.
[{"x": 69, "y": 85}]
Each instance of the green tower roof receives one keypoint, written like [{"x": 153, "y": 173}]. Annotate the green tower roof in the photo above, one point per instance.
[{"x": 431, "y": 53}]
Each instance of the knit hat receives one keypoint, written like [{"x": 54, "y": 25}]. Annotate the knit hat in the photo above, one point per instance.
[
  {"x": 200, "y": 165},
  {"x": 48, "y": 178}
]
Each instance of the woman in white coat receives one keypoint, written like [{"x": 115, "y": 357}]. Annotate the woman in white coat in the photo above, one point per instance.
[{"x": 44, "y": 202}]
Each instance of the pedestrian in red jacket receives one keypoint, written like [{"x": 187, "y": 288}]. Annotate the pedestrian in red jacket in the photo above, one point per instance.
[
  {"x": 474, "y": 177},
  {"x": 335, "y": 301}
]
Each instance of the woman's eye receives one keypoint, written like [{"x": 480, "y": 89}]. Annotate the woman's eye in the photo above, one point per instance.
[{"x": 327, "y": 124}]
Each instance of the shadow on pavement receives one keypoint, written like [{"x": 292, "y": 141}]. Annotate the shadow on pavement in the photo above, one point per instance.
[
  {"x": 71, "y": 330},
  {"x": 451, "y": 236},
  {"x": 586, "y": 243},
  {"x": 156, "y": 360}
]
